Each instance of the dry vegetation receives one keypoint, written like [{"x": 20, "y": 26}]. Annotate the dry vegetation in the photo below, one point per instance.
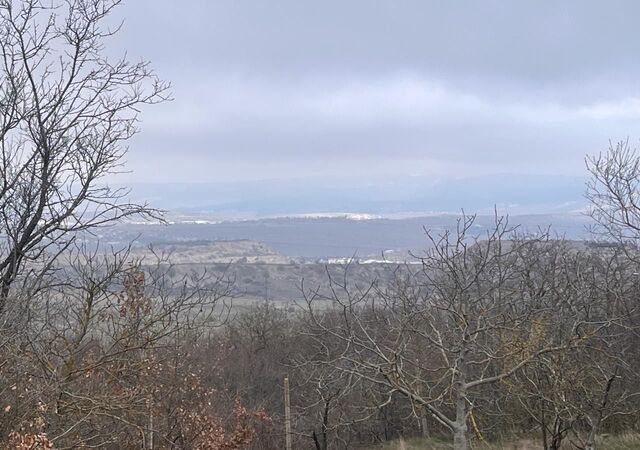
[
  {"x": 216, "y": 252},
  {"x": 488, "y": 338},
  {"x": 623, "y": 442}
]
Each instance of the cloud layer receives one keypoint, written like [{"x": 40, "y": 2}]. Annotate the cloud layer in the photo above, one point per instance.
[{"x": 289, "y": 89}]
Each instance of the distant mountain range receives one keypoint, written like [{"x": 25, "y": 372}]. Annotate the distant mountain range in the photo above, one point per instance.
[{"x": 392, "y": 197}]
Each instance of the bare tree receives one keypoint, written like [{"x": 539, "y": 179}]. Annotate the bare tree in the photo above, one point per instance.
[
  {"x": 573, "y": 395},
  {"x": 66, "y": 113},
  {"x": 110, "y": 350},
  {"x": 613, "y": 193},
  {"x": 480, "y": 310}
]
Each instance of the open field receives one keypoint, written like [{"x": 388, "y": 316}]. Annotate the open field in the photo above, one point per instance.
[
  {"x": 324, "y": 237},
  {"x": 623, "y": 442}
]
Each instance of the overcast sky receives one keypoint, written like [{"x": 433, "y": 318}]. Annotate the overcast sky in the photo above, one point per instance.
[{"x": 295, "y": 88}]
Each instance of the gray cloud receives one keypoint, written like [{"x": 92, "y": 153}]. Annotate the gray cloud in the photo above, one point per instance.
[{"x": 293, "y": 88}]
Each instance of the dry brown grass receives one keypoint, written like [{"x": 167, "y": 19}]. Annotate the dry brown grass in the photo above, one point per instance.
[{"x": 621, "y": 442}]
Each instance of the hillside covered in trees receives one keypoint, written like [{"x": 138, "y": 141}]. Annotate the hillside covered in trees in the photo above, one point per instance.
[{"x": 494, "y": 336}]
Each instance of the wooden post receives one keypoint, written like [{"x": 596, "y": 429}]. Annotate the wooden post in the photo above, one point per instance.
[
  {"x": 287, "y": 414},
  {"x": 151, "y": 424}
]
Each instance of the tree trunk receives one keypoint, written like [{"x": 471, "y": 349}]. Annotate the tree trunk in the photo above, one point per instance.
[
  {"x": 460, "y": 438},
  {"x": 590, "y": 443},
  {"x": 543, "y": 427},
  {"x": 424, "y": 427},
  {"x": 5, "y": 286},
  {"x": 557, "y": 435},
  {"x": 460, "y": 428}
]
